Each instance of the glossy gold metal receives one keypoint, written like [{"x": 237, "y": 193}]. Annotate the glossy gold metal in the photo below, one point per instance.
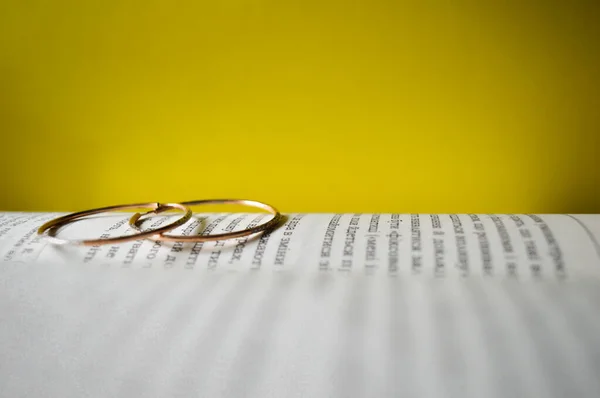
[
  {"x": 52, "y": 226},
  {"x": 136, "y": 219}
]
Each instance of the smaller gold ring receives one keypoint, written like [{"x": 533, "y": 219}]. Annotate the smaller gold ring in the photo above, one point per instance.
[
  {"x": 136, "y": 219},
  {"x": 52, "y": 225}
]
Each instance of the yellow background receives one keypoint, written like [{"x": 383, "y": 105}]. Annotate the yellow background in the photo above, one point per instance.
[{"x": 403, "y": 106}]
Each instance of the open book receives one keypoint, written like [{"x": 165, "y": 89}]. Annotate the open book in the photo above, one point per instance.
[{"x": 326, "y": 305}]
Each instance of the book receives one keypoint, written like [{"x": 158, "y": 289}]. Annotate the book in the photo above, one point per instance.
[{"x": 344, "y": 305}]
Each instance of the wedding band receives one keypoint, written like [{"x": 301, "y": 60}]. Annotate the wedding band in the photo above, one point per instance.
[
  {"x": 136, "y": 219},
  {"x": 53, "y": 225}
]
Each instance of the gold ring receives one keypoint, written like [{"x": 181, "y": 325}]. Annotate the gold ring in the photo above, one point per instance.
[
  {"x": 53, "y": 225},
  {"x": 137, "y": 218}
]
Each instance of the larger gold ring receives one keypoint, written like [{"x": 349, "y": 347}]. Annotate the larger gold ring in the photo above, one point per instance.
[
  {"x": 137, "y": 218},
  {"x": 53, "y": 225}
]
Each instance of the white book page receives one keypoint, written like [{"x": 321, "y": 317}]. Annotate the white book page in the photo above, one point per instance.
[{"x": 323, "y": 306}]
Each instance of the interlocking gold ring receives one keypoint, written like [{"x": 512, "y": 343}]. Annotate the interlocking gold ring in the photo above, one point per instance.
[
  {"x": 136, "y": 219},
  {"x": 53, "y": 225}
]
